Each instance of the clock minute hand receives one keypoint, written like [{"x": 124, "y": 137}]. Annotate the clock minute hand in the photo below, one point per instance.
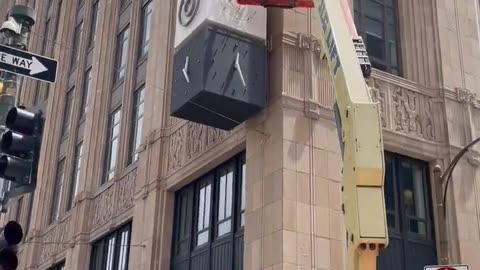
[{"x": 237, "y": 66}]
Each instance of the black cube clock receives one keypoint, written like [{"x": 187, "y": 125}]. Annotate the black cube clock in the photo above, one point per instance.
[{"x": 219, "y": 77}]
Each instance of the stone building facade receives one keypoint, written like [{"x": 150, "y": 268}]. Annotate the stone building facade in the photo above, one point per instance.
[{"x": 123, "y": 183}]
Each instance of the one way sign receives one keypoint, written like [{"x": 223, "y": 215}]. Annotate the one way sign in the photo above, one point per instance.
[{"x": 27, "y": 64}]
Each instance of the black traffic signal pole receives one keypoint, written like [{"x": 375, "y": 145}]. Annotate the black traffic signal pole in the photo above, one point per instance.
[{"x": 20, "y": 149}]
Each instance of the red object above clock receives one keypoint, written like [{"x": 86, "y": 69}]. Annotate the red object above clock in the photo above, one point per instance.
[{"x": 278, "y": 3}]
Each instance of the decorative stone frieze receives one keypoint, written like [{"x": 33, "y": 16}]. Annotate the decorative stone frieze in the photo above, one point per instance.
[
  {"x": 54, "y": 240},
  {"x": 189, "y": 141},
  {"x": 404, "y": 110},
  {"x": 114, "y": 200}
]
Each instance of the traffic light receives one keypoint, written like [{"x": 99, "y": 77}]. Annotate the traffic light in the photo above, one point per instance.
[
  {"x": 11, "y": 235},
  {"x": 20, "y": 146}
]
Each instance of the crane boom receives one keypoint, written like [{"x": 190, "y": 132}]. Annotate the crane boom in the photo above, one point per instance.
[
  {"x": 360, "y": 131},
  {"x": 358, "y": 121}
]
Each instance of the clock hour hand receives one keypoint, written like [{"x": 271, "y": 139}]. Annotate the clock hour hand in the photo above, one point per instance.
[
  {"x": 237, "y": 67},
  {"x": 185, "y": 70}
]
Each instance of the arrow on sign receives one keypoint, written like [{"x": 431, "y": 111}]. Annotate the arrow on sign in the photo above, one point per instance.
[
  {"x": 34, "y": 66},
  {"x": 27, "y": 64}
]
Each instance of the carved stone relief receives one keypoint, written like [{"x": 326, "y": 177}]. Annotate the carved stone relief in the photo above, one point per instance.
[
  {"x": 413, "y": 113},
  {"x": 189, "y": 141},
  {"x": 125, "y": 190},
  {"x": 103, "y": 207},
  {"x": 380, "y": 96},
  {"x": 175, "y": 149},
  {"x": 55, "y": 240},
  {"x": 195, "y": 130},
  {"x": 114, "y": 200}
]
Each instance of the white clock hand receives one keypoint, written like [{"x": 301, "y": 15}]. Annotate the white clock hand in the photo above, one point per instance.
[
  {"x": 185, "y": 70},
  {"x": 237, "y": 66}
]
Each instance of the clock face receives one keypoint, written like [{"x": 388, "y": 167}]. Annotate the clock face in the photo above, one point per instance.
[{"x": 236, "y": 12}]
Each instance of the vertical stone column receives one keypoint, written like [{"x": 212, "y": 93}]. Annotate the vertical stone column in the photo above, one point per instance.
[{"x": 294, "y": 218}]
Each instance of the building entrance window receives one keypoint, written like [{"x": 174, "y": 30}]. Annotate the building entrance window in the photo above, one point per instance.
[
  {"x": 208, "y": 222},
  {"x": 409, "y": 215}
]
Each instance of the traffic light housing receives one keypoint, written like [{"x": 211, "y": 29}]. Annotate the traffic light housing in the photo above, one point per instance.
[
  {"x": 20, "y": 146},
  {"x": 12, "y": 235}
]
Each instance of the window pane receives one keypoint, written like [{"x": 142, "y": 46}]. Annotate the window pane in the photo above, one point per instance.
[
  {"x": 224, "y": 227},
  {"x": 86, "y": 93},
  {"x": 207, "y": 206},
  {"x": 374, "y": 10},
  {"x": 229, "y": 194},
  {"x": 112, "y": 146},
  {"x": 391, "y": 220},
  {"x": 201, "y": 209},
  {"x": 375, "y": 21},
  {"x": 122, "y": 55},
  {"x": 390, "y": 16},
  {"x": 418, "y": 227},
  {"x": 202, "y": 238},
  {"x": 57, "y": 191},
  {"x": 389, "y": 185},
  {"x": 93, "y": 26},
  {"x": 393, "y": 54},
  {"x": 123, "y": 257},
  {"x": 221, "y": 197},
  {"x": 77, "y": 39},
  {"x": 419, "y": 192},
  {"x": 137, "y": 122},
  {"x": 374, "y": 28},
  {"x": 110, "y": 253},
  {"x": 75, "y": 175},
  {"x": 59, "y": 9},
  {"x": 145, "y": 30},
  {"x": 375, "y": 47},
  {"x": 67, "y": 112}
]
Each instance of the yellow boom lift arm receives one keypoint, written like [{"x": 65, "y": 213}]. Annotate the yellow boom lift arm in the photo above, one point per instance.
[
  {"x": 360, "y": 131},
  {"x": 358, "y": 122}
]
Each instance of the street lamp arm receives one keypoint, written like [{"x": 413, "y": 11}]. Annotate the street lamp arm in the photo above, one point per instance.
[{"x": 446, "y": 176}]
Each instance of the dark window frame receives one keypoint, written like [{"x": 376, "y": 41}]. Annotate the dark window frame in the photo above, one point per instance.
[
  {"x": 187, "y": 212},
  {"x": 124, "y": 4},
  {"x": 111, "y": 166},
  {"x": 93, "y": 25},
  {"x": 74, "y": 175},
  {"x": 136, "y": 128},
  {"x": 87, "y": 85},
  {"x": 58, "y": 266},
  {"x": 56, "y": 202},
  {"x": 68, "y": 112},
  {"x": 119, "y": 70},
  {"x": 76, "y": 48},
  {"x": 146, "y": 12},
  {"x": 360, "y": 15},
  {"x": 98, "y": 251}
]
